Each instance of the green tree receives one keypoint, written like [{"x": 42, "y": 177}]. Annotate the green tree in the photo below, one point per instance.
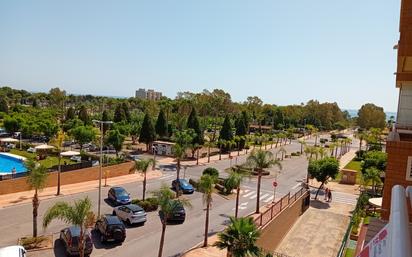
[
  {"x": 37, "y": 178},
  {"x": 182, "y": 141},
  {"x": 374, "y": 159},
  {"x": 241, "y": 130},
  {"x": 147, "y": 132},
  {"x": 70, "y": 113},
  {"x": 4, "y": 106},
  {"x": 115, "y": 139},
  {"x": 105, "y": 117},
  {"x": 119, "y": 114},
  {"x": 78, "y": 215},
  {"x": 126, "y": 111},
  {"x": 260, "y": 160},
  {"x": 161, "y": 125},
  {"x": 11, "y": 124},
  {"x": 322, "y": 170},
  {"x": 371, "y": 116},
  {"x": 83, "y": 115},
  {"x": 240, "y": 238},
  {"x": 83, "y": 135},
  {"x": 168, "y": 205},
  {"x": 193, "y": 123},
  {"x": 206, "y": 183},
  {"x": 213, "y": 172},
  {"x": 226, "y": 131},
  {"x": 372, "y": 176},
  {"x": 142, "y": 166},
  {"x": 234, "y": 180}
]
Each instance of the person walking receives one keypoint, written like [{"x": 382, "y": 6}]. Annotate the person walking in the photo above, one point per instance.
[
  {"x": 326, "y": 194},
  {"x": 329, "y": 196}
]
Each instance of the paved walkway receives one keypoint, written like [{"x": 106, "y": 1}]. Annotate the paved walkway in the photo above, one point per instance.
[{"x": 49, "y": 192}]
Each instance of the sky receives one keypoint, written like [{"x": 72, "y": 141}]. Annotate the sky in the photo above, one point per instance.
[{"x": 285, "y": 52}]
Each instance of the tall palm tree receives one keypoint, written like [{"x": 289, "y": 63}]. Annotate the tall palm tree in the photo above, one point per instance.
[
  {"x": 206, "y": 187},
  {"x": 260, "y": 160},
  {"x": 77, "y": 215},
  {"x": 57, "y": 142},
  {"x": 372, "y": 176},
  {"x": 142, "y": 166},
  {"x": 302, "y": 143},
  {"x": 167, "y": 205},
  {"x": 240, "y": 238},
  {"x": 322, "y": 152},
  {"x": 282, "y": 151},
  {"x": 221, "y": 143},
  {"x": 234, "y": 180},
  {"x": 37, "y": 178},
  {"x": 209, "y": 144}
]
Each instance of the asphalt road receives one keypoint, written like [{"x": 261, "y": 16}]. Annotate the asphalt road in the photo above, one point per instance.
[{"x": 16, "y": 221}]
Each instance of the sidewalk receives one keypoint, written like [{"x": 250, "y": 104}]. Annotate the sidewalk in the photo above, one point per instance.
[
  {"x": 50, "y": 192},
  {"x": 346, "y": 158}
]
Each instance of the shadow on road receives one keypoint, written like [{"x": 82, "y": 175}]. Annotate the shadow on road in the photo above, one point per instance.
[
  {"x": 319, "y": 204},
  {"x": 98, "y": 245}
]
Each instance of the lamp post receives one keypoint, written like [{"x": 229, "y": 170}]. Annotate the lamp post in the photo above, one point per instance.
[{"x": 101, "y": 122}]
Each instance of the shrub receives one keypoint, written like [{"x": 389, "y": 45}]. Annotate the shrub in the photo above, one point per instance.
[
  {"x": 359, "y": 155},
  {"x": 150, "y": 204},
  {"x": 211, "y": 171},
  {"x": 194, "y": 183},
  {"x": 32, "y": 242}
]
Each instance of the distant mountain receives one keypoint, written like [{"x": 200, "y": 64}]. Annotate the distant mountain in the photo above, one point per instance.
[{"x": 354, "y": 113}]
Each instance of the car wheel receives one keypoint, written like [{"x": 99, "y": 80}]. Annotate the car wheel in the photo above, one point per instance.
[
  {"x": 129, "y": 222},
  {"x": 114, "y": 213}
]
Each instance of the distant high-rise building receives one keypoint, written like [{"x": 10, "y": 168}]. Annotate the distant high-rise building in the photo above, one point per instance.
[{"x": 149, "y": 94}]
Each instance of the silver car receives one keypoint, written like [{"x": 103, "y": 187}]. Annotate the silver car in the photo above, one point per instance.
[{"x": 131, "y": 214}]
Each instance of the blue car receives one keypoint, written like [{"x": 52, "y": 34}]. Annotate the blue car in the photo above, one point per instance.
[
  {"x": 183, "y": 186},
  {"x": 119, "y": 196}
]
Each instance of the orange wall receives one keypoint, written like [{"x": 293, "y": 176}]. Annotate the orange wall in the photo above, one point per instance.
[{"x": 69, "y": 177}]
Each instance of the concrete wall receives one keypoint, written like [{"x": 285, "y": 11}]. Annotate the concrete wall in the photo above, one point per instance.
[
  {"x": 69, "y": 177},
  {"x": 398, "y": 153},
  {"x": 277, "y": 229}
]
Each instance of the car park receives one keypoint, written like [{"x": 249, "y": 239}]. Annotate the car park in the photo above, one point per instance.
[
  {"x": 178, "y": 215},
  {"x": 70, "y": 240},
  {"x": 131, "y": 214},
  {"x": 183, "y": 186},
  {"x": 13, "y": 251},
  {"x": 110, "y": 228},
  {"x": 119, "y": 196}
]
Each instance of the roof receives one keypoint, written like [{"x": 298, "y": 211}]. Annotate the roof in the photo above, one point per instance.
[
  {"x": 113, "y": 220},
  {"x": 74, "y": 230},
  {"x": 10, "y": 250},
  {"x": 163, "y": 142},
  {"x": 134, "y": 207}
]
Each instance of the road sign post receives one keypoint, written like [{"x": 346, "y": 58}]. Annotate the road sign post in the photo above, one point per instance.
[{"x": 275, "y": 184}]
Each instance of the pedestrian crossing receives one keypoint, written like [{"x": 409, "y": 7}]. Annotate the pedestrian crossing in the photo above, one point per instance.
[
  {"x": 167, "y": 177},
  {"x": 252, "y": 195},
  {"x": 337, "y": 197}
]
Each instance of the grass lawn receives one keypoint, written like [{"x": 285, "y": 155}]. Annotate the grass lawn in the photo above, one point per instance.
[
  {"x": 50, "y": 161},
  {"x": 349, "y": 252}
]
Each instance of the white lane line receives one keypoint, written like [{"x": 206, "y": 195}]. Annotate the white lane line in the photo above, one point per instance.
[
  {"x": 249, "y": 194},
  {"x": 253, "y": 196},
  {"x": 263, "y": 196},
  {"x": 269, "y": 199}
]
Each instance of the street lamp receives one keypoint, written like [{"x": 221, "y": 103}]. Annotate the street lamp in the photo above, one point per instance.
[{"x": 101, "y": 122}]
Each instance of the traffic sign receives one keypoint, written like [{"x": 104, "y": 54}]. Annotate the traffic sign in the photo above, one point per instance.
[{"x": 275, "y": 184}]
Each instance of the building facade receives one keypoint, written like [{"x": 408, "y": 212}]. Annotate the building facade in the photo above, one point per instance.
[
  {"x": 149, "y": 94},
  {"x": 399, "y": 142}
]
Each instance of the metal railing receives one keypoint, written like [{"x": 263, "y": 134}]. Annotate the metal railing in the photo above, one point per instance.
[{"x": 268, "y": 215}]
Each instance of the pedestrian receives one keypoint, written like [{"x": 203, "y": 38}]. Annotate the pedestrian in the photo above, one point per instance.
[
  {"x": 329, "y": 196},
  {"x": 13, "y": 172},
  {"x": 326, "y": 194}
]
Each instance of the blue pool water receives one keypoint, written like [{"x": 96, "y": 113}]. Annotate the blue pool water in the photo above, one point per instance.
[{"x": 7, "y": 163}]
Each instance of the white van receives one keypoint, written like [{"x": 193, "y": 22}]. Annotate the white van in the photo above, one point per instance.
[{"x": 13, "y": 251}]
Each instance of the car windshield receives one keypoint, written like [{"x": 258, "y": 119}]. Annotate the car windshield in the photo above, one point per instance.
[
  {"x": 184, "y": 183},
  {"x": 121, "y": 192}
]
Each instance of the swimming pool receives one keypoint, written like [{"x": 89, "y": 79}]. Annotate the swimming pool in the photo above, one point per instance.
[{"x": 10, "y": 161}]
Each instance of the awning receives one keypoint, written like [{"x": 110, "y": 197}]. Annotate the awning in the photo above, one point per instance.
[{"x": 377, "y": 202}]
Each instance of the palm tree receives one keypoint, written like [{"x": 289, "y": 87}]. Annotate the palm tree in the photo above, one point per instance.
[
  {"x": 206, "y": 187},
  {"x": 372, "y": 176},
  {"x": 142, "y": 166},
  {"x": 302, "y": 143},
  {"x": 240, "y": 238},
  {"x": 37, "y": 178},
  {"x": 221, "y": 143},
  {"x": 260, "y": 160},
  {"x": 77, "y": 215},
  {"x": 57, "y": 142},
  {"x": 209, "y": 144},
  {"x": 282, "y": 150},
  {"x": 234, "y": 180},
  {"x": 167, "y": 205},
  {"x": 322, "y": 152}
]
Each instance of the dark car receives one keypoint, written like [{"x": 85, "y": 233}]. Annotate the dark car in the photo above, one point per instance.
[
  {"x": 70, "y": 239},
  {"x": 119, "y": 195},
  {"x": 178, "y": 214},
  {"x": 110, "y": 228},
  {"x": 183, "y": 186}
]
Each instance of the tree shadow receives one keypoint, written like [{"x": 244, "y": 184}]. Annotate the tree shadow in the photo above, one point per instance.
[
  {"x": 317, "y": 204},
  {"x": 99, "y": 245}
]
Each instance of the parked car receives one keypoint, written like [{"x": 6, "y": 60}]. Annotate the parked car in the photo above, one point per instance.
[
  {"x": 119, "y": 195},
  {"x": 183, "y": 185},
  {"x": 13, "y": 251},
  {"x": 76, "y": 158},
  {"x": 70, "y": 239},
  {"x": 131, "y": 214},
  {"x": 31, "y": 150},
  {"x": 110, "y": 228},
  {"x": 178, "y": 215}
]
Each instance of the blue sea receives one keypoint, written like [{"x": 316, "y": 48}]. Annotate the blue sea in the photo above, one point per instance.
[{"x": 354, "y": 113}]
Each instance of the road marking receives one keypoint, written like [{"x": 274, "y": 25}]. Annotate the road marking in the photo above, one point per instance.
[
  {"x": 242, "y": 206},
  {"x": 253, "y": 196},
  {"x": 263, "y": 196},
  {"x": 167, "y": 177},
  {"x": 269, "y": 199},
  {"x": 249, "y": 194},
  {"x": 296, "y": 186}
]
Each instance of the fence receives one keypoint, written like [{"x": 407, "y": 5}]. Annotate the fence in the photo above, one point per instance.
[{"x": 265, "y": 217}]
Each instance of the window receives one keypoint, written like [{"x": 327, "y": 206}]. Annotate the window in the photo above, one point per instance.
[{"x": 409, "y": 169}]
